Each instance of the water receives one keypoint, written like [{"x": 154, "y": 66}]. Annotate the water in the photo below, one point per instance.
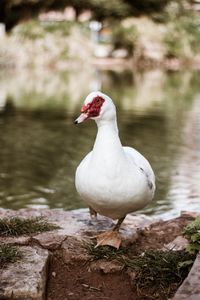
[{"x": 40, "y": 147}]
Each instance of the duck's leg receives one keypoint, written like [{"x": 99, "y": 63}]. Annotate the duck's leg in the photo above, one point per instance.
[
  {"x": 93, "y": 213},
  {"x": 111, "y": 237}
]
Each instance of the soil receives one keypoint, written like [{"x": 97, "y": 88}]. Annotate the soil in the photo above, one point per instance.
[{"x": 76, "y": 281}]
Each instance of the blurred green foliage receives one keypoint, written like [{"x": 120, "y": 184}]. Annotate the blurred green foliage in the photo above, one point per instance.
[
  {"x": 124, "y": 37},
  {"x": 138, "y": 7},
  {"x": 34, "y": 29},
  {"x": 182, "y": 38},
  {"x": 12, "y": 11}
]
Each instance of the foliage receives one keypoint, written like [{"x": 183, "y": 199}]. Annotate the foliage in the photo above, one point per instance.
[
  {"x": 9, "y": 254},
  {"x": 139, "y": 7},
  {"x": 182, "y": 38},
  {"x": 34, "y": 29},
  {"x": 12, "y": 11},
  {"x": 103, "y": 9},
  {"x": 160, "y": 269},
  {"x": 156, "y": 270},
  {"x": 124, "y": 37},
  {"x": 192, "y": 232},
  {"x": 20, "y": 226}
]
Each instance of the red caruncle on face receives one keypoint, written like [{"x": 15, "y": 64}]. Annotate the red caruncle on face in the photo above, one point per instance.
[{"x": 93, "y": 108}]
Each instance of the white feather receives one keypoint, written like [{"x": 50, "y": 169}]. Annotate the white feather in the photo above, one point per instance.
[{"x": 112, "y": 179}]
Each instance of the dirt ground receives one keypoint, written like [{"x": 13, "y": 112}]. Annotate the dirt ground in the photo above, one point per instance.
[{"x": 76, "y": 281}]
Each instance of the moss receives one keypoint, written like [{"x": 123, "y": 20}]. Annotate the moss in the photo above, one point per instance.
[
  {"x": 160, "y": 271},
  {"x": 20, "y": 226},
  {"x": 9, "y": 254},
  {"x": 192, "y": 232}
]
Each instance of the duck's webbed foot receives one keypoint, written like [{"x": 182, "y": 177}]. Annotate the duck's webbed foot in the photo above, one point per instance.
[{"x": 111, "y": 237}]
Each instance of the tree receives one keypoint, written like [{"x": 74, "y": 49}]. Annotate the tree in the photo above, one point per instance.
[{"x": 139, "y": 7}]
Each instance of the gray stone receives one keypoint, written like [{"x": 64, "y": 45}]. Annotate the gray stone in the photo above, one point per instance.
[
  {"x": 179, "y": 243},
  {"x": 77, "y": 223},
  {"x": 192, "y": 214},
  {"x": 190, "y": 288},
  {"x": 19, "y": 240},
  {"x": 105, "y": 266},
  {"x": 49, "y": 240},
  {"x": 25, "y": 279}
]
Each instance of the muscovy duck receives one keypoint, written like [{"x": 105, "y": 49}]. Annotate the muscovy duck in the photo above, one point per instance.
[{"x": 113, "y": 180}]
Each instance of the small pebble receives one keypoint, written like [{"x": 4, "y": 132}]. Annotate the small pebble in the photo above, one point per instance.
[{"x": 53, "y": 274}]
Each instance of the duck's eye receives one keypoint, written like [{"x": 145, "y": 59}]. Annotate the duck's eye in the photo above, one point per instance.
[{"x": 97, "y": 100}]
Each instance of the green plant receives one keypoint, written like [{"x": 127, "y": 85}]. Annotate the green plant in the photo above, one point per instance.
[
  {"x": 9, "y": 254},
  {"x": 155, "y": 269},
  {"x": 192, "y": 232},
  {"x": 20, "y": 226}
]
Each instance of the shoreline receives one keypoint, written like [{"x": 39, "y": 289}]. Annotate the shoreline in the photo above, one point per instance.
[{"x": 53, "y": 262}]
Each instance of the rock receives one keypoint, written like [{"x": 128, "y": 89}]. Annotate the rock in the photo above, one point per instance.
[
  {"x": 19, "y": 240},
  {"x": 191, "y": 214},
  {"x": 190, "y": 288},
  {"x": 49, "y": 240},
  {"x": 72, "y": 250},
  {"x": 105, "y": 266},
  {"x": 25, "y": 279},
  {"x": 179, "y": 243},
  {"x": 77, "y": 223}
]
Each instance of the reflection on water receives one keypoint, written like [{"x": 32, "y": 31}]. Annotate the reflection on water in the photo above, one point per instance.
[{"x": 40, "y": 147}]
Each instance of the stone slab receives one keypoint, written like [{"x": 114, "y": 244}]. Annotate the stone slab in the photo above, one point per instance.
[
  {"x": 25, "y": 279},
  {"x": 190, "y": 288},
  {"x": 76, "y": 223}
]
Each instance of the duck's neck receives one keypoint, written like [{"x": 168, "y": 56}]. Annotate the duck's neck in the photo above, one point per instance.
[
  {"x": 107, "y": 143},
  {"x": 110, "y": 125}
]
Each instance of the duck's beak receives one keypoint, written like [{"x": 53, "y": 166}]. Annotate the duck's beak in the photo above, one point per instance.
[
  {"x": 84, "y": 116},
  {"x": 81, "y": 118}
]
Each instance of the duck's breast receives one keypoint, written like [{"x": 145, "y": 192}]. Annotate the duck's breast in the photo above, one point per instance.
[{"x": 112, "y": 188}]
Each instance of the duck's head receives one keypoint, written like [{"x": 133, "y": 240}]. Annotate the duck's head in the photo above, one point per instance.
[{"x": 97, "y": 106}]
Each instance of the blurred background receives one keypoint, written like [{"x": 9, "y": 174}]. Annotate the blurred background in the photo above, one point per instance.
[{"x": 144, "y": 54}]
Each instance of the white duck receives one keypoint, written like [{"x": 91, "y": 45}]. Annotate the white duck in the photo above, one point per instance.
[{"x": 113, "y": 180}]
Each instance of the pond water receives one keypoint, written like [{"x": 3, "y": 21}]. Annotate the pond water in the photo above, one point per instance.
[{"x": 40, "y": 147}]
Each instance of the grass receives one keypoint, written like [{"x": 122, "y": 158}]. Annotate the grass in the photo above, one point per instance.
[
  {"x": 20, "y": 226},
  {"x": 104, "y": 252},
  {"x": 9, "y": 254},
  {"x": 158, "y": 271}
]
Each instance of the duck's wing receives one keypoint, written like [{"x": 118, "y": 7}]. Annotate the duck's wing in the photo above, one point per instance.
[{"x": 142, "y": 163}]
